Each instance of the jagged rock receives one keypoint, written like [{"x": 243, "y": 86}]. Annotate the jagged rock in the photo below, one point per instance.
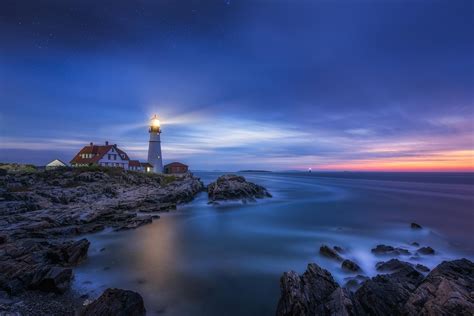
[
  {"x": 386, "y": 294},
  {"x": 70, "y": 253},
  {"x": 116, "y": 302},
  {"x": 389, "y": 250},
  {"x": 233, "y": 187},
  {"x": 338, "y": 249},
  {"x": 426, "y": 251},
  {"x": 422, "y": 268},
  {"x": 52, "y": 279},
  {"x": 447, "y": 290},
  {"x": 340, "y": 303},
  {"x": 354, "y": 282},
  {"x": 308, "y": 294},
  {"x": 329, "y": 253},
  {"x": 392, "y": 265},
  {"x": 415, "y": 226},
  {"x": 350, "y": 266}
]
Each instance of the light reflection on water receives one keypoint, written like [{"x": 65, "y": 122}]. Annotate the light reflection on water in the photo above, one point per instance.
[{"x": 227, "y": 259}]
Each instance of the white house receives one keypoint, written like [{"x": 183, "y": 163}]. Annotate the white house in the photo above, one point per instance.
[{"x": 101, "y": 155}]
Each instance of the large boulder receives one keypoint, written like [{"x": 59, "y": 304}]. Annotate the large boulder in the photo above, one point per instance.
[
  {"x": 386, "y": 294},
  {"x": 233, "y": 187},
  {"x": 69, "y": 253},
  {"x": 116, "y": 302},
  {"x": 447, "y": 290},
  {"x": 308, "y": 294}
]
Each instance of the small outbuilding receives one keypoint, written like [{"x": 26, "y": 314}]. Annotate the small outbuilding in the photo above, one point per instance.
[
  {"x": 56, "y": 163},
  {"x": 176, "y": 167}
]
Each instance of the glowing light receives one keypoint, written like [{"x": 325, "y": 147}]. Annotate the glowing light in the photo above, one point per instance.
[{"x": 155, "y": 122}]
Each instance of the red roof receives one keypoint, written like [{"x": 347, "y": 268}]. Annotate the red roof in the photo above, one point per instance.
[
  {"x": 134, "y": 163},
  {"x": 175, "y": 164},
  {"x": 98, "y": 152}
]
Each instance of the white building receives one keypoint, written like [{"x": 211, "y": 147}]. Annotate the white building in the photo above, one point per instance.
[
  {"x": 154, "y": 146},
  {"x": 56, "y": 163},
  {"x": 101, "y": 155}
]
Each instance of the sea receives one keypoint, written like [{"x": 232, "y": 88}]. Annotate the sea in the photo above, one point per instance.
[{"x": 227, "y": 259}]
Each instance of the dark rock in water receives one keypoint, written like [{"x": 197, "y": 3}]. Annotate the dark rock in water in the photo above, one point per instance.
[
  {"x": 338, "y": 249},
  {"x": 415, "y": 226},
  {"x": 386, "y": 294},
  {"x": 116, "y": 302},
  {"x": 389, "y": 251},
  {"x": 233, "y": 187},
  {"x": 308, "y": 294},
  {"x": 447, "y": 290},
  {"x": 350, "y": 266},
  {"x": 329, "y": 253},
  {"x": 415, "y": 244},
  {"x": 3, "y": 239},
  {"x": 426, "y": 251},
  {"x": 422, "y": 268},
  {"x": 392, "y": 265}
]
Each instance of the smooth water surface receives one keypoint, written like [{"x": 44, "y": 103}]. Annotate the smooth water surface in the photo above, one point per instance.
[{"x": 227, "y": 259}]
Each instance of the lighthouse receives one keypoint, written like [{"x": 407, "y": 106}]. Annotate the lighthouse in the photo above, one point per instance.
[{"x": 154, "y": 146}]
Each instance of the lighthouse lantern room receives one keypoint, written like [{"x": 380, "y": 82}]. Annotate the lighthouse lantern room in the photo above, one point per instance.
[{"x": 154, "y": 146}]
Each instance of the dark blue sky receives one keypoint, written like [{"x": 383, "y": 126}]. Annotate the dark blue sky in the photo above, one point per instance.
[{"x": 375, "y": 85}]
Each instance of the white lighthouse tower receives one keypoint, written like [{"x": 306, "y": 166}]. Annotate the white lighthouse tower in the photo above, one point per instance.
[{"x": 154, "y": 146}]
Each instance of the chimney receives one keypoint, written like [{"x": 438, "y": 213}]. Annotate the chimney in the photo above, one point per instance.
[
  {"x": 106, "y": 143},
  {"x": 91, "y": 143}
]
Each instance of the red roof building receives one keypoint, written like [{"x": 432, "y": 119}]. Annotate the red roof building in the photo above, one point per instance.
[
  {"x": 176, "y": 167},
  {"x": 105, "y": 155}
]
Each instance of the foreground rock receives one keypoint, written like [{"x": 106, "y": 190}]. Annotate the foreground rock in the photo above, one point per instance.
[
  {"x": 233, "y": 187},
  {"x": 41, "y": 211},
  {"x": 116, "y": 302},
  {"x": 447, "y": 290}
]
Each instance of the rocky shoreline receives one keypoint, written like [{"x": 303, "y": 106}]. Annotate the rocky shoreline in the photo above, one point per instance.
[
  {"x": 400, "y": 289},
  {"x": 42, "y": 213}
]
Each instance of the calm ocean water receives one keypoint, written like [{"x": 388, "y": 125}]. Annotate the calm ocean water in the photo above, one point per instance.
[{"x": 227, "y": 259}]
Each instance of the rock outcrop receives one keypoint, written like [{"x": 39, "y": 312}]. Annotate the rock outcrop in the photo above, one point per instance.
[
  {"x": 41, "y": 211},
  {"x": 116, "y": 302},
  {"x": 233, "y": 187},
  {"x": 446, "y": 290}
]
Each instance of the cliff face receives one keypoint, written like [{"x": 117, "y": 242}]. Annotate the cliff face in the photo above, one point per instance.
[{"x": 40, "y": 211}]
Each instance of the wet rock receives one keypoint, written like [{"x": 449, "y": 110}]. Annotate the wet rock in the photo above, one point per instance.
[
  {"x": 116, "y": 302},
  {"x": 350, "y": 266},
  {"x": 329, "y": 253},
  {"x": 426, "y": 251},
  {"x": 392, "y": 265},
  {"x": 422, "y": 268},
  {"x": 338, "y": 249},
  {"x": 306, "y": 294},
  {"x": 389, "y": 251},
  {"x": 447, "y": 290},
  {"x": 415, "y": 244},
  {"x": 415, "y": 226},
  {"x": 386, "y": 294},
  {"x": 3, "y": 239},
  {"x": 233, "y": 187}
]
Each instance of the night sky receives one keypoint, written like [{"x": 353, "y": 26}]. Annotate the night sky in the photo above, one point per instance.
[{"x": 278, "y": 85}]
